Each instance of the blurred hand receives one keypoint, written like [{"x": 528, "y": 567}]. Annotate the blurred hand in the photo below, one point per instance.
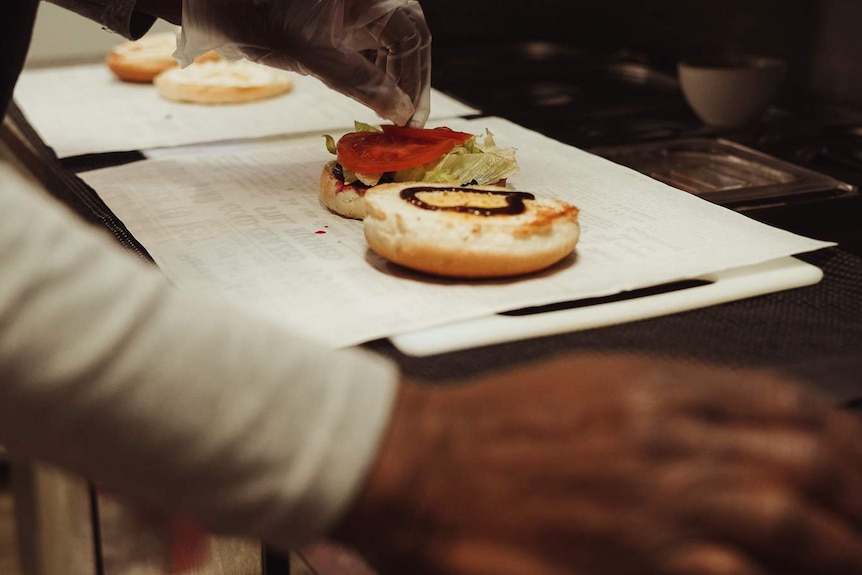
[
  {"x": 614, "y": 465},
  {"x": 375, "y": 51}
]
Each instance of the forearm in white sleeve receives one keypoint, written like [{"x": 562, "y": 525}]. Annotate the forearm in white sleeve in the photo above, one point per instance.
[{"x": 179, "y": 402}]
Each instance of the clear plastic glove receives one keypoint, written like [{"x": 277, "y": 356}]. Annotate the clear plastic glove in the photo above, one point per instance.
[{"x": 375, "y": 51}]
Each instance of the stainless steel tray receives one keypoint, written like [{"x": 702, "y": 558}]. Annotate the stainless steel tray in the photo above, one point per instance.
[{"x": 722, "y": 171}]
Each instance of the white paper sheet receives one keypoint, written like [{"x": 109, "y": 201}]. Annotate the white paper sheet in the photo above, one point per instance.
[
  {"x": 84, "y": 109},
  {"x": 248, "y": 225}
]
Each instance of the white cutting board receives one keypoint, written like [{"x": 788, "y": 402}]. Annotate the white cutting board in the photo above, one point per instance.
[{"x": 739, "y": 283}]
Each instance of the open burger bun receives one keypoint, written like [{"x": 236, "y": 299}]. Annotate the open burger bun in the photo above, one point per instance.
[
  {"x": 223, "y": 82},
  {"x": 344, "y": 200},
  {"x": 468, "y": 232},
  {"x": 142, "y": 60}
]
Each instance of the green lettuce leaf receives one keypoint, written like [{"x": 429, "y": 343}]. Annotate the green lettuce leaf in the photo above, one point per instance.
[{"x": 471, "y": 162}]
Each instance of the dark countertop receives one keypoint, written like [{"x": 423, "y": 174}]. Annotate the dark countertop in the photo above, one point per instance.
[{"x": 812, "y": 332}]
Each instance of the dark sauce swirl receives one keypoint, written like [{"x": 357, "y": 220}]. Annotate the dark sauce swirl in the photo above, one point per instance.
[{"x": 514, "y": 201}]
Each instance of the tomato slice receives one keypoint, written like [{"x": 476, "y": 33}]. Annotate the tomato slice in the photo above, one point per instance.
[
  {"x": 378, "y": 152},
  {"x": 441, "y": 133}
]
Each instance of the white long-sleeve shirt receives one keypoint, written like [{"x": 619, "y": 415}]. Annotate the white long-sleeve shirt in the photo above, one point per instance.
[{"x": 108, "y": 370}]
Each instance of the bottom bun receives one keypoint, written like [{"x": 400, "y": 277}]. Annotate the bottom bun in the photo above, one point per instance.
[
  {"x": 143, "y": 59},
  {"x": 222, "y": 82},
  {"x": 340, "y": 198},
  {"x": 468, "y": 232}
]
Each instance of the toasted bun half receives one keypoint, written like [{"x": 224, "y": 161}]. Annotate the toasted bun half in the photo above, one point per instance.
[
  {"x": 143, "y": 59},
  {"x": 222, "y": 82},
  {"x": 468, "y": 232},
  {"x": 342, "y": 199}
]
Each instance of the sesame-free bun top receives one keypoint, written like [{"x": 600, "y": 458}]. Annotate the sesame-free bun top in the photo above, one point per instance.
[
  {"x": 468, "y": 232},
  {"x": 223, "y": 82},
  {"x": 143, "y": 59}
]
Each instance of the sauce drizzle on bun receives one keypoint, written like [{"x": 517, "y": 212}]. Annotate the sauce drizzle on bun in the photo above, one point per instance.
[
  {"x": 468, "y": 232},
  {"x": 513, "y": 201}
]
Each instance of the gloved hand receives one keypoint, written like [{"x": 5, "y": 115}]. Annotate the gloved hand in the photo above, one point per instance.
[{"x": 375, "y": 51}]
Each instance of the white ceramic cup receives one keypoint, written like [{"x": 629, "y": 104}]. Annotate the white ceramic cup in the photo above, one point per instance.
[{"x": 731, "y": 91}]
